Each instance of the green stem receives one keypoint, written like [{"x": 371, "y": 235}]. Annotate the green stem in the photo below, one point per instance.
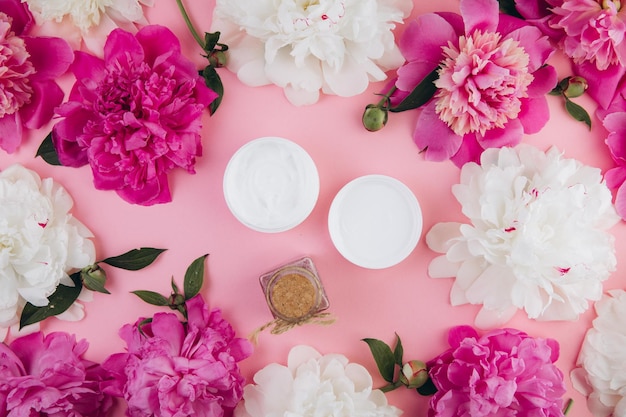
[
  {"x": 391, "y": 386},
  {"x": 385, "y": 100},
  {"x": 192, "y": 29}
]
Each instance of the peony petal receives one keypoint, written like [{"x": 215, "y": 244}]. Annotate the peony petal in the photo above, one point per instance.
[
  {"x": 424, "y": 37},
  {"x": 602, "y": 83},
  {"x": 535, "y": 44},
  {"x": 301, "y": 354},
  {"x": 433, "y": 136},
  {"x": 545, "y": 79},
  {"x": 490, "y": 319},
  {"x": 620, "y": 200},
  {"x": 510, "y": 135},
  {"x": 480, "y": 15},
  {"x": 10, "y": 132},
  {"x": 47, "y": 95},
  {"x": 534, "y": 114},
  {"x": 469, "y": 151},
  {"x": 120, "y": 45},
  {"x": 348, "y": 81},
  {"x": 441, "y": 236},
  {"x": 441, "y": 267},
  {"x": 51, "y": 57},
  {"x": 87, "y": 67}
]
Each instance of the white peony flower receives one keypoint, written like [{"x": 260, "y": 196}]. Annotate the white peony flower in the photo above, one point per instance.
[
  {"x": 601, "y": 371},
  {"x": 538, "y": 236},
  {"x": 91, "y": 20},
  {"x": 304, "y": 46},
  {"x": 314, "y": 385},
  {"x": 40, "y": 242}
]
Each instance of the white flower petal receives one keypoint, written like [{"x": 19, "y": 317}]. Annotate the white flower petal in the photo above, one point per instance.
[
  {"x": 536, "y": 239},
  {"x": 336, "y": 46}
]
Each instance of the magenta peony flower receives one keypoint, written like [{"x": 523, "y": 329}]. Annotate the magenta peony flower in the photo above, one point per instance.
[
  {"x": 176, "y": 369},
  {"x": 48, "y": 376},
  {"x": 134, "y": 115},
  {"x": 591, "y": 32},
  {"x": 28, "y": 68},
  {"x": 503, "y": 373},
  {"x": 615, "y": 123},
  {"x": 492, "y": 80}
]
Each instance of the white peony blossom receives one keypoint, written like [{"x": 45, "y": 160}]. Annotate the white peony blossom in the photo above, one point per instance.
[
  {"x": 314, "y": 385},
  {"x": 40, "y": 242},
  {"x": 91, "y": 20},
  {"x": 304, "y": 46},
  {"x": 601, "y": 371},
  {"x": 537, "y": 240}
]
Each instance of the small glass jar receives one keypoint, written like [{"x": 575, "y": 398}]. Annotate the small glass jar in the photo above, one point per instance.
[{"x": 294, "y": 292}]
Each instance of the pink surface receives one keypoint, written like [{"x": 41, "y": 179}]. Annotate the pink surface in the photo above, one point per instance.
[{"x": 366, "y": 303}]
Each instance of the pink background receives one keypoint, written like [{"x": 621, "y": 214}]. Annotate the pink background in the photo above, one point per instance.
[{"x": 366, "y": 303}]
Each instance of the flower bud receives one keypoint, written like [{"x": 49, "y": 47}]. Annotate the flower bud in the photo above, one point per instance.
[
  {"x": 94, "y": 278},
  {"x": 374, "y": 117},
  {"x": 576, "y": 87},
  {"x": 217, "y": 59},
  {"x": 414, "y": 374},
  {"x": 176, "y": 300}
]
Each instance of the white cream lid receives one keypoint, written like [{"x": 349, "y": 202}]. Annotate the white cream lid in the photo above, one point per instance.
[
  {"x": 271, "y": 184},
  {"x": 375, "y": 221}
]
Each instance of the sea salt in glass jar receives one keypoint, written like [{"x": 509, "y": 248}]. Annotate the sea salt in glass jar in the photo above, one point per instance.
[{"x": 294, "y": 292}]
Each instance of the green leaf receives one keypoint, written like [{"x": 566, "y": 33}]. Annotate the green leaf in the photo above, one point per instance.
[
  {"x": 152, "y": 297},
  {"x": 210, "y": 40},
  {"x": 384, "y": 358},
  {"x": 134, "y": 259},
  {"x": 60, "y": 300},
  {"x": 47, "y": 151},
  {"x": 420, "y": 94},
  {"x": 194, "y": 277},
  {"x": 508, "y": 7},
  {"x": 398, "y": 351},
  {"x": 214, "y": 82},
  {"x": 577, "y": 112}
]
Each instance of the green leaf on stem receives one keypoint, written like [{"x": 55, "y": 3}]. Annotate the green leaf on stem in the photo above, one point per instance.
[
  {"x": 420, "y": 94},
  {"x": 48, "y": 152},
  {"x": 194, "y": 277},
  {"x": 58, "y": 302},
  {"x": 398, "y": 351},
  {"x": 214, "y": 82},
  {"x": 577, "y": 112},
  {"x": 152, "y": 297},
  {"x": 134, "y": 259},
  {"x": 384, "y": 358},
  {"x": 210, "y": 41}
]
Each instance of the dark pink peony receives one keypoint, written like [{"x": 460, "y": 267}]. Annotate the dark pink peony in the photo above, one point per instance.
[
  {"x": 134, "y": 115},
  {"x": 28, "y": 69},
  {"x": 503, "y": 373},
  {"x": 175, "y": 369},
  {"x": 614, "y": 120},
  {"x": 492, "y": 82},
  {"x": 48, "y": 376},
  {"x": 591, "y": 33}
]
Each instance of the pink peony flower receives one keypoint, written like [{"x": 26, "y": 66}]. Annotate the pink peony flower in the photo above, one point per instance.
[
  {"x": 48, "y": 376},
  {"x": 615, "y": 123},
  {"x": 134, "y": 115},
  {"x": 492, "y": 80},
  {"x": 591, "y": 32},
  {"x": 28, "y": 68},
  {"x": 503, "y": 373},
  {"x": 177, "y": 369}
]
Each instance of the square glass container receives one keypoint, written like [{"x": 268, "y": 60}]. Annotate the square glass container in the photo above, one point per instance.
[{"x": 294, "y": 292}]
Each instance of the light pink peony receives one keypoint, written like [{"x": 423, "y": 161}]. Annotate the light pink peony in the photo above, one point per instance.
[
  {"x": 48, "y": 376},
  {"x": 28, "y": 69},
  {"x": 591, "y": 32},
  {"x": 175, "y": 369},
  {"x": 134, "y": 115},
  {"x": 492, "y": 80},
  {"x": 615, "y": 123},
  {"x": 503, "y": 373}
]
